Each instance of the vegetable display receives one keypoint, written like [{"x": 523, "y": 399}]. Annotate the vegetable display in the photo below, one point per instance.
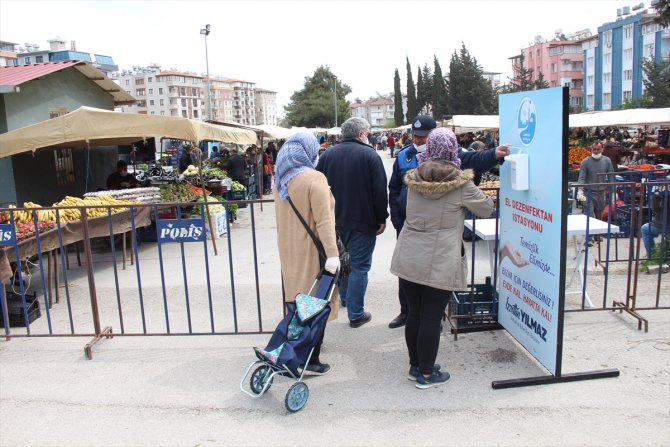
[
  {"x": 237, "y": 186},
  {"x": 177, "y": 192},
  {"x": 70, "y": 214},
  {"x": 27, "y": 230},
  {"x": 577, "y": 154}
]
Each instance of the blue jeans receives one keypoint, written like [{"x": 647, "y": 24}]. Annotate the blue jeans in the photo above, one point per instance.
[
  {"x": 649, "y": 232},
  {"x": 352, "y": 289}
]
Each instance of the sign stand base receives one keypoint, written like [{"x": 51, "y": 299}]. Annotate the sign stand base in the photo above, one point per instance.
[{"x": 544, "y": 380}]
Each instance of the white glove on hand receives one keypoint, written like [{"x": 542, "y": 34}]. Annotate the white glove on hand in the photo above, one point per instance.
[
  {"x": 332, "y": 264},
  {"x": 581, "y": 197}
]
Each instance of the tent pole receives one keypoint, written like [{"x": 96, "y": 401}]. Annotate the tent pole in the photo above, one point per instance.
[{"x": 204, "y": 193}]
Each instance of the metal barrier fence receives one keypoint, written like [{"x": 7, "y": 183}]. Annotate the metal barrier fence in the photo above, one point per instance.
[
  {"x": 620, "y": 275},
  {"x": 171, "y": 286}
]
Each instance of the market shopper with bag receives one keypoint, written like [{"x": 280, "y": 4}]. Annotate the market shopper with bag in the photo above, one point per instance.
[
  {"x": 301, "y": 192},
  {"x": 429, "y": 257}
]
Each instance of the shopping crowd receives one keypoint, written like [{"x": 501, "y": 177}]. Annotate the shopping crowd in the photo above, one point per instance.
[{"x": 343, "y": 194}]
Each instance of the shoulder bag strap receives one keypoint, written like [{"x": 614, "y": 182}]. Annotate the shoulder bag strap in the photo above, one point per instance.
[{"x": 317, "y": 242}]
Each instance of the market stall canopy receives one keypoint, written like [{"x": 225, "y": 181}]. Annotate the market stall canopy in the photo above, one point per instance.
[
  {"x": 402, "y": 128},
  {"x": 628, "y": 117},
  {"x": 334, "y": 131},
  {"x": 97, "y": 127},
  {"x": 472, "y": 123},
  {"x": 277, "y": 132}
]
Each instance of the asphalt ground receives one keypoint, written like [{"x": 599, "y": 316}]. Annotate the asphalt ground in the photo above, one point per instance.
[{"x": 185, "y": 390}]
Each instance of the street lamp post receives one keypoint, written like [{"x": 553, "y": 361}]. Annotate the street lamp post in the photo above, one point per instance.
[{"x": 205, "y": 32}]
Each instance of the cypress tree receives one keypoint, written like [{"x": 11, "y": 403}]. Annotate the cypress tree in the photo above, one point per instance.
[
  {"x": 411, "y": 94},
  {"x": 439, "y": 93},
  {"x": 397, "y": 100},
  {"x": 420, "y": 92}
]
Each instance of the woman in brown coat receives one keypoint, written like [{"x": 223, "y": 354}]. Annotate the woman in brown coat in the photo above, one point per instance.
[
  {"x": 429, "y": 257},
  {"x": 309, "y": 191}
]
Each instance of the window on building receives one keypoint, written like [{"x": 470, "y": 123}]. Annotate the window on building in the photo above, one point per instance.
[
  {"x": 628, "y": 32},
  {"x": 139, "y": 92},
  {"x": 127, "y": 81},
  {"x": 648, "y": 51},
  {"x": 628, "y": 54},
  {"x": 139, "y": 81},
  {"x": 162, "y": 102},
  {"x": 554, "y": 68},
  {"x": 627, "y": 95},
  {"x": 607, "y": 58},
  {"x": 590, "y": 61},
  {"x": 589, "y": 81},
  {"x": 39, "y": 59},
  {"x": 153, "y": 113},
  {"x": 160, "y": 90},
  {"x": 195, "y": 113},
  {"x": 607, "y": 37},
  {"x": 607, "y": 78},
  {"x": 183, "y": 102},
  {"x": 183, "y": 114},
  {"x": 142, "y": 103},
  {"x": 150, "y": 79},
  {"x": 607, "y": 99},
  {"x": 195, "y": 102},
  {"x": 26, "y": 60},
  {"x": 627, "y": 75},
  {"x": 589, "y": 101},
  {"x": 151, "y": 91},
  {"x": 194, "y": 91},
  {"x": 554, "y": 83},
  {"x": 162, "y": 113},
  {"x": 151, "y": 102},
  {"x": 530, "y": 55},
  {"x": 182, "y": 91}
]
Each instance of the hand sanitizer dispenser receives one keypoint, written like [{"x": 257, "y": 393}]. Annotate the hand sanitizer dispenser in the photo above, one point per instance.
[{"x": 519, "y": 171}]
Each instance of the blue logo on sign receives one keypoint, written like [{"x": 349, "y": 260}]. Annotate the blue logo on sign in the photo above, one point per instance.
[
  {"x": 527, "y": 121},
  {"x": 175, "y": 230},
  {"x": 7, "y": 236}
]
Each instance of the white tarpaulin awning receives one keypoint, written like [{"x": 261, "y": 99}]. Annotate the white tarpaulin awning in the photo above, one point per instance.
[
  {"x": 628, "y": 117},
  {"x": 334, "y": 131},
  {"x": 473, "y": 123},
  {"x": 97, "y": 127}
]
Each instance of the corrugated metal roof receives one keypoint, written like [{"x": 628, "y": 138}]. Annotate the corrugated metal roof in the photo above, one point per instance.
[{"x": 13, "y": 76}]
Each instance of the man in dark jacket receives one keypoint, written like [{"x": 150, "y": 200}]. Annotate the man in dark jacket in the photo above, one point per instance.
[
  {"x": 237, "y": 167},
  {"x": 357, "y": 179},
  {"x": 479, "y": 161}
]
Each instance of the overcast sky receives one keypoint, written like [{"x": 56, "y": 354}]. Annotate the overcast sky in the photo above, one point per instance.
[{"x": 277, "y": 43}]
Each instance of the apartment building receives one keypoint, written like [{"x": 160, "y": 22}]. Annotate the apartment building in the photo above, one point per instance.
[
  {"x": 560, "y": 60},
  {"x": 377, "y": 111},
  {"x": 8, "y": 53},
  {"x": 165, "y": 93},
  {"x": 614, "y": 70},
  {"x": 244, "y": 101},
  {"x": 266, "y": 107},
  {"x": 59, "y": 51}
]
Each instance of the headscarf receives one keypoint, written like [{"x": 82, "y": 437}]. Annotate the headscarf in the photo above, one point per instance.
[
  {"x": 441, "y": 144},
  {"x": 299, "y": 153}
]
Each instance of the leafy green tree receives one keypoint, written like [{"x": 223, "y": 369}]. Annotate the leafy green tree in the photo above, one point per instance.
[
  {"x": 397, "y": 101},
  {"x": 657, "y": 82},
  {"x": 469, "y": 91},
  {"x": 411, "y": 95},
  {"x": 427, "y": 79},
  {"x": 439, "y": 92},
  {"x": 663, "y": 9},
  {"x": 522, "y": 79},
  {"x": 540, "y": 82},
  {"x": 314, "y": 105}
]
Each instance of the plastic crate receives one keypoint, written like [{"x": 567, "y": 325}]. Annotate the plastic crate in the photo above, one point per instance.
[
  {"x": 476, "y": 306},
  {"x": 15, "y": 310},
  {"x": 623, "y": 221}
]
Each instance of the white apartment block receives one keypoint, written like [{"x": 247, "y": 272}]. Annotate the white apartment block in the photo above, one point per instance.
[
  {"x": 377, "y": 111},
  {"x": 7, "y": 53},
  {"x": 266, "y": 107},
  {"x": 165, "y": 93}
]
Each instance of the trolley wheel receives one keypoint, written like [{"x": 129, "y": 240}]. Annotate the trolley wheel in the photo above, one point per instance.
[
  {"x": 259, "y": 378},
  {"x": 296, "y": 397}
]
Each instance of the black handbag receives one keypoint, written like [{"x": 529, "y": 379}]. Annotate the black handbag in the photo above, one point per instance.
[{"x": 345, "y": 257}]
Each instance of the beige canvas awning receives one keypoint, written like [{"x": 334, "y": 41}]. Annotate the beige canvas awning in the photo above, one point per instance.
[{"x": 97, "y": 127}]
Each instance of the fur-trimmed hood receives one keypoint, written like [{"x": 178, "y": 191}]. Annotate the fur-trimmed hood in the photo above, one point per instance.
[{"x": 435, "y": 178}]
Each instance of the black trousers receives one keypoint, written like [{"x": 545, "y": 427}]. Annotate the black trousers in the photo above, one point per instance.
[{"x": 422, "y": 331}]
